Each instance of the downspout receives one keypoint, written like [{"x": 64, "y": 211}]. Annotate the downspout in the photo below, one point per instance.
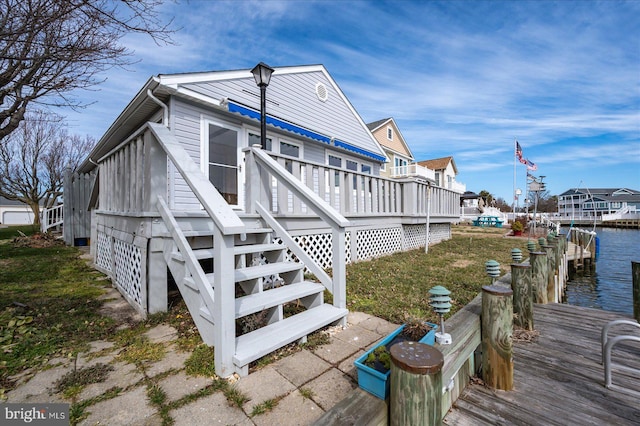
[{"x": 165, "y": 108}]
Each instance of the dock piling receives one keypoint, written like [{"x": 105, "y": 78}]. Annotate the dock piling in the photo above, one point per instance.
[{"x": 497, "y": 337}]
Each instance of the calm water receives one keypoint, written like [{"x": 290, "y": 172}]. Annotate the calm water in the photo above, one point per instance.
[{"x": 609, "y": 286}]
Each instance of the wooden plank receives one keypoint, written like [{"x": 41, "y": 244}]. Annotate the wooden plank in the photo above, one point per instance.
[
  {"x": 360, "y": 408},
  {"x": 558, "y": 379}
]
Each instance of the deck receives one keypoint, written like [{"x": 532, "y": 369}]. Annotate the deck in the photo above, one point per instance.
[{"x": 558, "y": 378}]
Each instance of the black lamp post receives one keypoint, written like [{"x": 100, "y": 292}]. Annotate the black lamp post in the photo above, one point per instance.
[{"x": 262, "y": 74}]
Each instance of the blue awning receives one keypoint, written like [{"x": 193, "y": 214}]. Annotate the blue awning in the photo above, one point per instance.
[
  {"x": 360, "y": 151},
  {"x": 276, "y": 122},
  {"x": 234, "y": 107}
]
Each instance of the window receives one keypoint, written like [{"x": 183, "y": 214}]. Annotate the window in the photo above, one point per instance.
[
  {"x": 289, "y": 149},
  {"x": 255, "y": 140},
  {"x": 390, "y": 133},
  {"x": 366, "y": 169},
  {"x": 335, "y": 161},
  {"x": 383, "y": 167}
]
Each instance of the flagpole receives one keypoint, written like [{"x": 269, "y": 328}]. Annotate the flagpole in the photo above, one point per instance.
[{"x": 513, "y": 205}]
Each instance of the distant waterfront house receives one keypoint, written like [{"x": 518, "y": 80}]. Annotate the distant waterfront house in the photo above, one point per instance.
[
  {"x": 445, "y": 173},
  {"x": 590, "y": 202},
  {"x": 401, "y": 161},
  {"x": 181, "y": 187},
  {"x": 15, "y": 213}
]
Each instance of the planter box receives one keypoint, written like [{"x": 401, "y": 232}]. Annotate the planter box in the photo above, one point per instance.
[{"x": 375, "y": 382}]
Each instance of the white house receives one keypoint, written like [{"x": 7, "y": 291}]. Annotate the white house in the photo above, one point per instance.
[
  {"x": 181, "y": 186},
  {"x": 445, "y": 173},
  {"x": 596, "y": 202}
]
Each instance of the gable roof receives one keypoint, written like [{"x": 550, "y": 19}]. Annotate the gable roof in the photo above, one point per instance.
[
  {"x": 294, "y": 103},
  {"x": 398, "y": 145},
  {"x": 439, "y": 163},
  {"x": 606, "y": 194}
]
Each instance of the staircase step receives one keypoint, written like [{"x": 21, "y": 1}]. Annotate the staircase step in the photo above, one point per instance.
[
  {"x": 258, "y": 248},
  {"x": 209, "y": 232},
  {"x": 207, "y": 253},
  {"x": 266, "y": 270},
  {"x": 257, "y": 302},
  {"x": 263, "y": 341}
]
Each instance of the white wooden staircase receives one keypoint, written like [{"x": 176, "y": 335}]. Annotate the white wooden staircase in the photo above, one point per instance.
[
  {"x": 230, "y": 269},
  {"x": 265, "y": 281}
]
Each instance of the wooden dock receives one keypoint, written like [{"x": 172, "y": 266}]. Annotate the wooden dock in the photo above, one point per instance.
[{"x": 559, "y": 378}]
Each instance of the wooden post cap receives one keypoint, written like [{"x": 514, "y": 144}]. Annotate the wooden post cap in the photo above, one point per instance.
[
  {"x": 498, "y": 290},
  {"x": 416, "y": 357},
  {"x": 520, "y": 266}
]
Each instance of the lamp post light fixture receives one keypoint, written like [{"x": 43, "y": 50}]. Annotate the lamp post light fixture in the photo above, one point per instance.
[
  {"x": 262, "y": 74},
  {"x": 441, "y": 304},
  {"x": 493, "y": 270}
]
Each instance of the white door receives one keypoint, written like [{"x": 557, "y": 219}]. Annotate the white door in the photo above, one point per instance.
[{"x": 224, "y": 162}]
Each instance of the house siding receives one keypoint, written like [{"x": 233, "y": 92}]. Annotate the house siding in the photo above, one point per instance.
[{"x": 292, "y": 97}]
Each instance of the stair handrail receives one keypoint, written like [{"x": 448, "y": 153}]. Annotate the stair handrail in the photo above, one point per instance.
[
  {"x": 607, "y": 346},
  {"x": 337, "y": 222},
  {"x": 214, "y": 204},
  {"x": 310, "y": 264},
  {"x": 310, "y": 198}
]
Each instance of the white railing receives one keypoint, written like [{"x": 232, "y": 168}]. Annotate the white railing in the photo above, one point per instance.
[
  {"x": 354, "y": 193},
  {"x": 457, "y": 187},
  {"x": 261, "y": 171},
  {"x": 625, "y": 213},
  {"x": 413, "y": 170},
  {"x": 51, "y": 217}
]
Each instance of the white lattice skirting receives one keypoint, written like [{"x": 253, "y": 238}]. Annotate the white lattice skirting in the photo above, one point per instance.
[
  {"x": 370, "y": 243},
  {"x": 128, "y": 271},
  {"x": 125, "y": 262},
  {"x": 103, "y": 252}
]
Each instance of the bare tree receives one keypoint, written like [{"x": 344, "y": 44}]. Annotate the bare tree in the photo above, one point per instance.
[
  {"x": 33, "y": 159},
  {"x": 49, "y": 48}
]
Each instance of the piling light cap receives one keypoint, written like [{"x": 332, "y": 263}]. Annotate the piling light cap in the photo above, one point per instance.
[
  {"x": 542, "y": 241},
  {"x": 531, "y": 246},
  {"x": 550, "y": 237},
  {"x": 439, "y": 291},
  {"x": 516, "y": 255},
  {"x": 492, "y": 268}
]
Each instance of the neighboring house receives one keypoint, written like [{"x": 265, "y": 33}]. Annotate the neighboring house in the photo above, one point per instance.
[
  {"x": 445, "y": 173},
  {"x": 401, "y": 161},
  {"x": 590, "y": 202},
  {"x": 181, "y": 186},
  {"x": 15, "y": 213}
]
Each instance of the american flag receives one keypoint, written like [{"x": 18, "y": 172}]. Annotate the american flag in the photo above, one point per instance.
[{"x": 519, "y": 153}]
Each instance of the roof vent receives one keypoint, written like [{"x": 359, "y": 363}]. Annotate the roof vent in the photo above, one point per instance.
[{"x": 321, "y": 92}]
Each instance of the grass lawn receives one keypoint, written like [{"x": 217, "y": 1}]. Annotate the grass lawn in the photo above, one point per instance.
[
  {"x": 49, "y": 304},
  {"x": 396, "y": 287}
]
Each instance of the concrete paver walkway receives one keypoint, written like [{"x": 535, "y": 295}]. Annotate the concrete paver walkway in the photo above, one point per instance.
[{"x": 298, "y": 388}]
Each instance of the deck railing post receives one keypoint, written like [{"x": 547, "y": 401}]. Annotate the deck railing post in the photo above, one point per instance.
[
  {"x": 522, "y": 295},
  {"x": 539, "y": 276},
  {"x": 497, "y": 336},
  {"x": 416, "y": 384}
]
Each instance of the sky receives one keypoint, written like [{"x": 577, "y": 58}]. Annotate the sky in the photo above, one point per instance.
[{"x": 460, "y": 78}]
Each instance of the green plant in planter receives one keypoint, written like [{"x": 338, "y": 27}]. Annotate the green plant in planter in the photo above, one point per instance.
[
  {"x": 517, "y": 226},
  {"x": 381, "y": 355}
]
